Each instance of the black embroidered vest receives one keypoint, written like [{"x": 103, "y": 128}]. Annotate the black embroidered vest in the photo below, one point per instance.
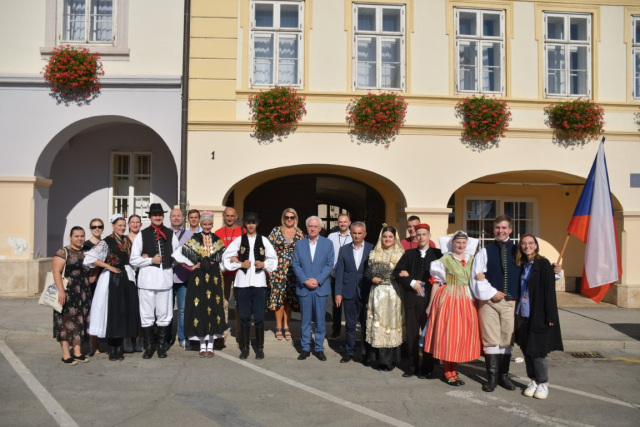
[
  {"x": 259, "y": 252},
  {"x": 150, "y": 245}
]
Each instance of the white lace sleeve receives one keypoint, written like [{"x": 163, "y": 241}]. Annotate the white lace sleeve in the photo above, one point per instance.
[
  {"x": 438, "y": 271},
  {"x": 98, "y": 253}
]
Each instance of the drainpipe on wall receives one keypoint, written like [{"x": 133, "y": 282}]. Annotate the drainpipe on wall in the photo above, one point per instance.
[{"x": 185, "y": 105}]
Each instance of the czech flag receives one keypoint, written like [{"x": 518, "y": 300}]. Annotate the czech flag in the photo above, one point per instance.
[{"x": 594, "y": 224}]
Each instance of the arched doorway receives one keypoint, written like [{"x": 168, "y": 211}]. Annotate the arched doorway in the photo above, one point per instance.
[{"x": 324, "y": 195}]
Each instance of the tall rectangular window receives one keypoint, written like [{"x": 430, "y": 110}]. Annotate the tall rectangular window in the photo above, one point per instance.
[
  {"x": 276, "y": 43},
  {"x": 480, "y": 213},
  {"x": 567, "y": 55},
  {"x": 88, "y": 21},
  {"x": 378, "y": 47},
  {"x": 480, "y": 48},
  {"x": 130, "y": 183},
  {"x": 635, "y": 55}
]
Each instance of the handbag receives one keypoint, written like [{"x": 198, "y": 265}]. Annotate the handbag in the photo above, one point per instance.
[{"x": 50, "y": 292}]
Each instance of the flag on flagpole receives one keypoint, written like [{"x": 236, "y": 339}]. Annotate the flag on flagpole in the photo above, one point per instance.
[{"x": 593, "y": 222}]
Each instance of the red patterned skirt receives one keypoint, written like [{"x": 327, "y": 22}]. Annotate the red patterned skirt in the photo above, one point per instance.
[{"x": 453, "y": 333}]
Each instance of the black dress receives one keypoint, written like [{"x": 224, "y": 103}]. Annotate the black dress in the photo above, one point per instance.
[
  {"x": 123, "y": 313},
  {"x": 204, "y": 302},
  {"x": 73, "y": 323}
]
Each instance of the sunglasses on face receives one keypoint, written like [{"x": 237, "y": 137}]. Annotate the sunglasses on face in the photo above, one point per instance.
[
  {"x": 289, "y": 217},
  {"x": 97, "y": 227}
]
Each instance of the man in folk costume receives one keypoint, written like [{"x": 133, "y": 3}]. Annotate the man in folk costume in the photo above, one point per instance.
[
  {"x": 151, "y": 254},
  {"x": 252, "y": 256},
  {"x": 412, "y": 273},
  {"x": 495, "y": 282}
]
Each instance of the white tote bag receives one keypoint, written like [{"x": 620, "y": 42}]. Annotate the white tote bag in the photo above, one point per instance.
[{"x": 50, "y": 292}]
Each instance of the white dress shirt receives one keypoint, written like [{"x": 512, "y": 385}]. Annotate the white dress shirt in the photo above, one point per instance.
[
  {"x": 338, "y": 241},
  {"x": 357, "y": 254},
  {"x": 250, "y": 278},
  {"x": 151, "y": 276}
]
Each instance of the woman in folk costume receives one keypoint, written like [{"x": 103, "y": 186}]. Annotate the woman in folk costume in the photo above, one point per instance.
[
  {"x": 384, "y": 309},
  {"x": 115, "y": 310},
  {"x": 204, "y": 319},
  {"x": 453, "y": 334}
]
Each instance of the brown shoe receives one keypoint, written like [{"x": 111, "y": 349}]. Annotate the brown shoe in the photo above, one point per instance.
[{"x": 210, "y": 354}]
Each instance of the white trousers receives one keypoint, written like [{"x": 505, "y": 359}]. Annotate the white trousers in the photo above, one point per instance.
[{"x": 156, "y": 306}]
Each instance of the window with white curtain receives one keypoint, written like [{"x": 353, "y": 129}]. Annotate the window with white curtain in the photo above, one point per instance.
[
  {"x": 276, "y": 43},
  {"x": 480, "y": 47},
  {"x": 635, "y": 55},
  {"x": 379, "y": 47},
  {"x": 87, "y": 21},
  {"x": 480, "y": 213},
  {"x": 130, "y": 189},
  {"x": 567, "y": 55}
]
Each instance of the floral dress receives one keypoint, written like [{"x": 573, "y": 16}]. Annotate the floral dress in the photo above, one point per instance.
[
  {"x": 283, "y": 280},
  {"x": 73, "y": 323}
]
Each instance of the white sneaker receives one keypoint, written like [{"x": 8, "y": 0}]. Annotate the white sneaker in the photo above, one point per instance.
[
  {"x": 139, "y": 344},
  {"x": 128, "y": 348},
  {"x": 531, "y": 388},
  {"x": 186, "y": 345},
  {"x": 542, "y": 391}
]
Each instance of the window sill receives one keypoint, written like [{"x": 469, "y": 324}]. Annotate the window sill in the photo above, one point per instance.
[{"x": 107, "y": 53}]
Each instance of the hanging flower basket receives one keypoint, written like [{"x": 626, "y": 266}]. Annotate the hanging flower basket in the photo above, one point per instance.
[
  {"x": 575, "y": 122},
  {"x": 73, "y": 74},
  {"x": 376, "y": 117},
  {"x": 276, "y": 112},
  {"x": 485, "y": 120}
]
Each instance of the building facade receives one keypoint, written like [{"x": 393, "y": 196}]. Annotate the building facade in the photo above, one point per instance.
[
  {"x": 433, "y": 52},
  {"x": 64, "y": 165}
]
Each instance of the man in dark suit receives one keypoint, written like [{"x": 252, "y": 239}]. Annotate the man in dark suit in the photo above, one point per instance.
[
  {"x": 412, "y": 273},
  {"x": 352, "y": 289},
  {"x": 313, "y": 260}
]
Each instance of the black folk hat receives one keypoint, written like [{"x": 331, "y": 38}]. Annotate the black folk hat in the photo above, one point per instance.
[
  {"x": 156, "y": 208},
  {"x": 251, "y": 217}
]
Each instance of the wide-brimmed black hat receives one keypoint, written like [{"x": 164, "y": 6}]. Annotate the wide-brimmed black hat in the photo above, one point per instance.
[
  {"x": 251, "y": 217},
  {"x": 156, "y": 208}
]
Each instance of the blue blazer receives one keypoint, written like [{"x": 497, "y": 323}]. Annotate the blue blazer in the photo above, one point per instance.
[
  {"x": 350, "y": 282},
  {"x": 319, "y": 269}
]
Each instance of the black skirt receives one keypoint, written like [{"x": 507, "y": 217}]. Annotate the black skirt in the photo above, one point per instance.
[{"x": 123, "y": 308}]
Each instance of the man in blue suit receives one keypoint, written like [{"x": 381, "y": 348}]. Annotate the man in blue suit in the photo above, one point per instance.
[
  {"x": 352, "y": 289},
  {"x": 312, "y": 265}
]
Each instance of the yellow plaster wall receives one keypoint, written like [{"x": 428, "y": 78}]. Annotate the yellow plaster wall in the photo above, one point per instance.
[{"x": 17, "y": 222}]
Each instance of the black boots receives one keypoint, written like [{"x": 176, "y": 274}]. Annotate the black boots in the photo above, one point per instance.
[
  {"x": 162, "y": 341},
  {"x": 503, "y": 372},
  {"x": 492, "y": 362},
  {"x": 245, "y": 343},
  {"x": 113, "y": 353},
  {"x": 148, "y": 342},
  {"x": 260, "y": 343}
]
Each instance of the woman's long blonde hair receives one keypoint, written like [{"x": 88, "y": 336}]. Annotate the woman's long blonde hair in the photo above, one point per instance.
[{"x": 286, "y": 211}]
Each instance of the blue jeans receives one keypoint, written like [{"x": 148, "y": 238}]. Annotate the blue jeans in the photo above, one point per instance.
[{"x": 180, "y": 292}]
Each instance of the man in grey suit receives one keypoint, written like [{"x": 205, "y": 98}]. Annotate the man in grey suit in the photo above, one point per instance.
[
  {"x": 312, "y": 265},
  {"x": 352, "y": 289}
]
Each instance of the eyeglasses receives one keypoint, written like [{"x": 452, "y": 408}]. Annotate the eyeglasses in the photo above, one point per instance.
[
  {"x": 97, "y": 227},
  {"x": 289, "y": 217}
]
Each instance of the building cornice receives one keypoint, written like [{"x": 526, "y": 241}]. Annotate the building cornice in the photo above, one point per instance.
[{"x": 142, "y": 81}]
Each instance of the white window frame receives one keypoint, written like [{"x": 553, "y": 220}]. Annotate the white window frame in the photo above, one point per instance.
[
  {"x": 568, "y": 45},
  {"x": 635, "y": 57},
  {"x": 379, "y": 36},
  {"x": 276, "y": 32},
  {"x": 132, "y": 196},
  {"x": 480, "y": 39},
  {"x": 500, "y": 202},
  {"x": 116, "y": 50},
  {"x": 87, "y": 26}
]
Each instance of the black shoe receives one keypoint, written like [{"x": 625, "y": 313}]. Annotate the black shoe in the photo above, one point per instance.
[
  {"x": 162, "y": 341},
  {"x": 503, "y": 372},
  {"x": 334, "y": 335},
  {"x": 113, "y": 354},
  {"x": 424, "y": 375},
  {"x": 148, "y": 342},
  {"x": 346, "y": 358},
  {"x": 409, "y": 372},
  {"x": 303, "y": 355},
  {"x": 453, "y": 381},
  {"x": 491, "y": 361},
  {"x": 119, "y": 353},
  {"x": 320, "y": 355},
  {"x": 366, "y": 361},
  {"x": 69, "y": 361},
  {"x": 80, "y": 359},
  {"x": 260, "y": 343}
]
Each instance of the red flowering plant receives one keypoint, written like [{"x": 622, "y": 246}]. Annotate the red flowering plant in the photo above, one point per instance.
[
  {"x": 377, "y": 117},
  {"x": 575, "y": 122},
  {"x": 485, "y": 120},
  {"x": 276, "y": 112},
  {"x": 73, "y": 74}
]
